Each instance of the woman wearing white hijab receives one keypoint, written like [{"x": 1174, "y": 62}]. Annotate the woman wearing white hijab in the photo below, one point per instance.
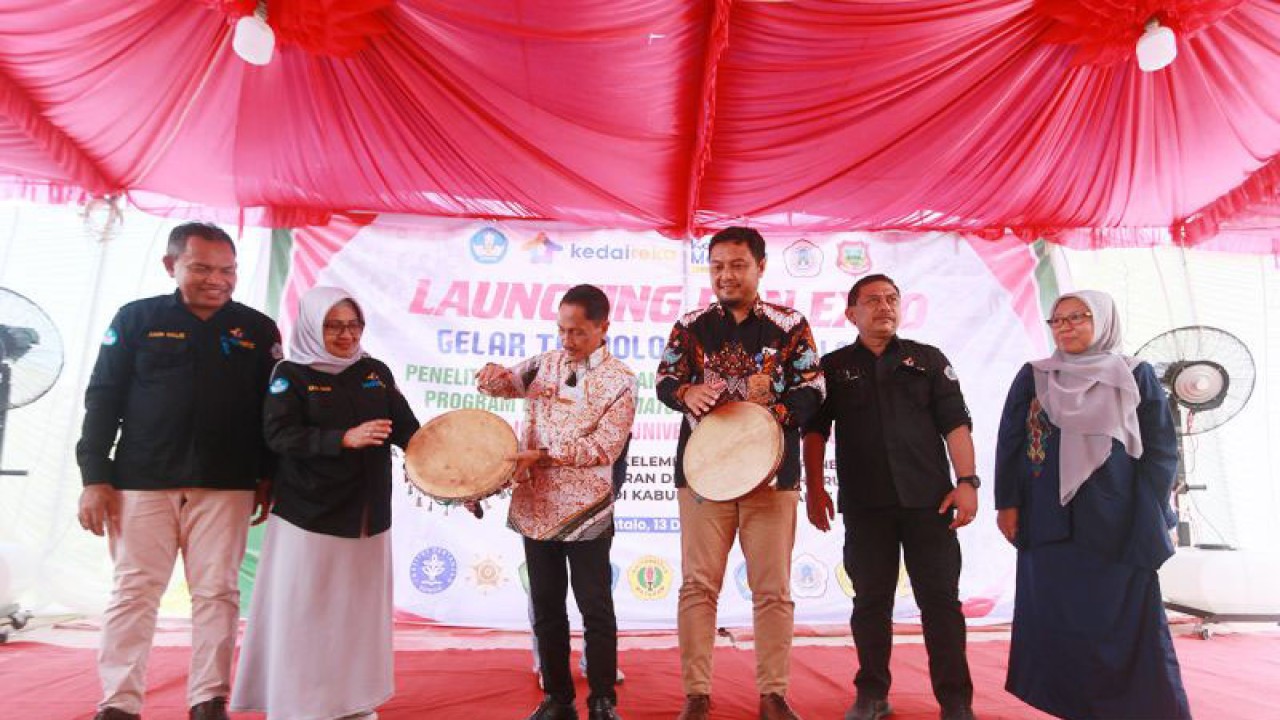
[
  {"x": 1085, "y": 465},
  {"x": 318, "y": 643}
]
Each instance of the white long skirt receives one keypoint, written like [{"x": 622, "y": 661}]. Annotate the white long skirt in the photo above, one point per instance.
[{"x": 318, "y": 643}]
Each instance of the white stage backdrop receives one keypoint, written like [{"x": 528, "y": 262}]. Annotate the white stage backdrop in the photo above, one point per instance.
[{"x": 444, "y": 299}]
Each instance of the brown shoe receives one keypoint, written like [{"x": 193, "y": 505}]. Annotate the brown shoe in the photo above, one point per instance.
[
  {"x": 110, "y": 713},
  {"x": 215, "y": 709},
  {"x": 774, "y": 707},
  {"x": 696, "y": 707}
]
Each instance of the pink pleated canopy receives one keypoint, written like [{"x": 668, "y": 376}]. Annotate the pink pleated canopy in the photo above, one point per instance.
[{"x": 981, "y": 116}]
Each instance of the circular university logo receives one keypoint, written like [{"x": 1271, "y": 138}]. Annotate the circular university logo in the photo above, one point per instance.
[
  {"x": 433, "y": 570},
  {"x": 650, "y": 578},
  {"x": 488, "y": 246},
  {"x": 808, "y": 577},
  {"x": 279, "y": 385},
  {"x": 111, "y": 337}
]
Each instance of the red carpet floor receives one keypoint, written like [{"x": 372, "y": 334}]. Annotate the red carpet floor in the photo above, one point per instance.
[{"x": 1233, "y": 677}]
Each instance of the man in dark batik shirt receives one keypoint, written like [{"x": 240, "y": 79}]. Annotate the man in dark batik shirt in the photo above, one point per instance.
[{"x": 740, "y": 348}]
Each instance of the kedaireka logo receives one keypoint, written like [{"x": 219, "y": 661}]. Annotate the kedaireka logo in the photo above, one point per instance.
[{"x": 624, "y": 253}]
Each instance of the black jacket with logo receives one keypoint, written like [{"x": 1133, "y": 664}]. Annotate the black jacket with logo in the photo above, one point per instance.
[
  {"x": 891, "y": 416},
  {"x": 321, "y": 486},
  {"x": 183, "y": 394}
]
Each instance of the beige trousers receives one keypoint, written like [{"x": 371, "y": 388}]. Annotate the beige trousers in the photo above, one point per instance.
[
  {"x": 765, "y": 523},
  {"x": 209, "y": 527}
]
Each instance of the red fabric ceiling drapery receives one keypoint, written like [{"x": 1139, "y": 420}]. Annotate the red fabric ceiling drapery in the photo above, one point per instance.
[
  {"x": 1105, "y": 31},
  {"x": 339, "y": 28},
  {"x": 681, "y": 115}
]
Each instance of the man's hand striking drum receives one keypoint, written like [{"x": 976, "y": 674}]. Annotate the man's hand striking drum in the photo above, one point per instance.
[
  {"x": 525, "y": 460},
  {"x": 367, "y": 434},
  {"x": 491, "y": 375},
  {"x": 700, "y": 399}
]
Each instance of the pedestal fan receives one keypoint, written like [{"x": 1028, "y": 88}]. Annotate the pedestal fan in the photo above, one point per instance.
[
  {"x": 30, "y": 363},
  {"x": 1209, "y": 375},
  {"x": 30, "y": 358}
]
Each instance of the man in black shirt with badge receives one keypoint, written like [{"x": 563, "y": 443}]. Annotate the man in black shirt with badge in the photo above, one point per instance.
[
  {"x": 180, "y": 379},
  {"x": 898, "y": 414}
]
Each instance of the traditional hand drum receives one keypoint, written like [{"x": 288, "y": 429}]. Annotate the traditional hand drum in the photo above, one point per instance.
[
  {"x": 733, "y": 450},
  {"x": 461, "y": 456}
]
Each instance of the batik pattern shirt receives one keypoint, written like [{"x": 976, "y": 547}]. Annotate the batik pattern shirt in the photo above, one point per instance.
[
  {"x": 773, "y": 343},
  {"x": 581, "y": 413}
]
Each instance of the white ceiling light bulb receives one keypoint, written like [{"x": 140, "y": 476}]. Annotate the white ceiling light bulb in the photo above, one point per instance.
[
  {"x": 1157, "y": 47},
  {"x": 254, "y": 40}
]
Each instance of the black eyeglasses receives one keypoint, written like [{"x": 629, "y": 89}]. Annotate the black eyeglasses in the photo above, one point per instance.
[
  {"x": 355, "y": 328},
  {"x": 1074, "y": 319}
]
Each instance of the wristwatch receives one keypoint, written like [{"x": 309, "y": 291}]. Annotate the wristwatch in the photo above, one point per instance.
[{"x": 973, "y": 480}]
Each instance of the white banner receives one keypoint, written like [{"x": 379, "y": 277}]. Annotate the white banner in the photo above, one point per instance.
[{"x": 443, "y": 299}]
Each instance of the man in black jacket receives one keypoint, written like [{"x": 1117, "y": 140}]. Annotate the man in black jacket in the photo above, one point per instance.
[
  {"x": 179, "y": 381},
  {"x": 898, "y": 415}
]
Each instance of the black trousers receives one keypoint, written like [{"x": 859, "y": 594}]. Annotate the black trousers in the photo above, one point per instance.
[
  {"x": 932, "y": 555},
  {"x": 553, "y": 564}
]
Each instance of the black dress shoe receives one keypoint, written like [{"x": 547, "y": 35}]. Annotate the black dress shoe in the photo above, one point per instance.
[
  {"x": 602, "y": 709},
  {"x": 110, "y": 713},
  {"x": 869, "y": 709},
  {"x": 773, "y": 706},
  {"x": 552, "y": 709},
  {"x": 215, "y": 709},
  {"x": 696, "y": 707}
]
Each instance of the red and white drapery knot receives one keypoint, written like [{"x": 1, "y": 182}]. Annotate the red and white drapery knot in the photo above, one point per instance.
[
  {"x": 338, "y": 28},
  {"x": 1104, "y": 32}
]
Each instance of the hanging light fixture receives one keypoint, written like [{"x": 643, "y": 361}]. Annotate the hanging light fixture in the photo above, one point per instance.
[
  {"x": 1157, "y": 47},
  {"x": 254, "y": 40}
]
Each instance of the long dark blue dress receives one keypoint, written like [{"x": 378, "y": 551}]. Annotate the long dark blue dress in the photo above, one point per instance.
[{"x": 1090, "y": 638}]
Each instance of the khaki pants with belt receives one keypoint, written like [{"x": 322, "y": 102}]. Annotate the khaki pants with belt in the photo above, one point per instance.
[
  {"x": 210, "y": 528},
  {"x": 765, "y": 523}
]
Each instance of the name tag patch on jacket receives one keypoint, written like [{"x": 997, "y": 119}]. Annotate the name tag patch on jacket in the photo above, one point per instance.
[
  {"x": 171, "y": 334},
  {"x": 319, "y": 388}
]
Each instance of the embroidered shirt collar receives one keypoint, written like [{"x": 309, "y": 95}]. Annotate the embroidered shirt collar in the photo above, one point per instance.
[
  {"x": 757, "y": 308},
  {"x": 592, "y": 361}
]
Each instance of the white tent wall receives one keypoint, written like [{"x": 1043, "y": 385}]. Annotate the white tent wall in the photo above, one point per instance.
[
  {"x": 58, "y": 258},
  {"x": 1159, "y": 289}
]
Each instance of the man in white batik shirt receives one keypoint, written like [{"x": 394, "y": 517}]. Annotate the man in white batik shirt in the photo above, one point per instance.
[{"x": 581, "y": 402}]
